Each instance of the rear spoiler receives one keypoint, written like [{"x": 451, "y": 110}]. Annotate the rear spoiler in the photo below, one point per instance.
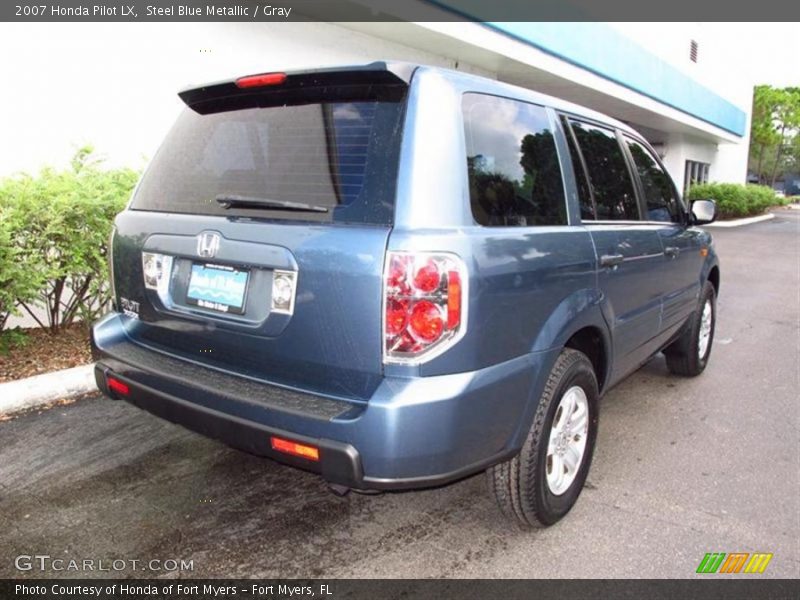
[{"x": 226, "y": 95}]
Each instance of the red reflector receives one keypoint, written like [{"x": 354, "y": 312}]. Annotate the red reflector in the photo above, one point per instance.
[
  {"x": 115, "y": 385},
  {"x": 252, "y": 81},
  {"x": 295, "y": 449}
]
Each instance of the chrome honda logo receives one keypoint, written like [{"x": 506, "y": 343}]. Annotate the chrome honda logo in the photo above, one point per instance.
[{"x": 207, "y": 244}]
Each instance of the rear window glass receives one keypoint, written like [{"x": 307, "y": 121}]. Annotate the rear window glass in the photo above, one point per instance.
[
  {"x": 512, "y": 162},
  {"x": 341, "y": 156}
]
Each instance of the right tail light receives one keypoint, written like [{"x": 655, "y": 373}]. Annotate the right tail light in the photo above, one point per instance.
[{"x": 425, "y": 303}]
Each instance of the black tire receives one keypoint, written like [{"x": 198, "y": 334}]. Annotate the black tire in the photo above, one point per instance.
[
  {"x": 520, "y": 485},
  {"x": 683, "y": 356}
]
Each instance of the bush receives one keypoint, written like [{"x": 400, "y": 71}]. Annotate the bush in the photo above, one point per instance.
[
  {"x": 736, "y": 200},
  {"x": 55, "y": 229}
]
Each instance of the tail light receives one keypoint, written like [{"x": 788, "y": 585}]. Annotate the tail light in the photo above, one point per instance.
[
  {"x": 157, "y": 270},
  {"x": 424, "y": 305}
]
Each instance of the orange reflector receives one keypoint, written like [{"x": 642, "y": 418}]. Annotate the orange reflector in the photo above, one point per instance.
[
  {"x": 115, "y": 385},
  {"x": 252, "y": 81},
  {"x": 703, "y": 251},
  {"x": 295, "y": 449}
]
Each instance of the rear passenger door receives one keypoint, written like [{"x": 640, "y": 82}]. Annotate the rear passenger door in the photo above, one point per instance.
[
  {"x": 680, "y": 243},
  {"x": 629, "y": 251}
]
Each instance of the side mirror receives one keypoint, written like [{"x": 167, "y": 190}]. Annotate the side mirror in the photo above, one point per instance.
[{"x": 703, "y": 211}]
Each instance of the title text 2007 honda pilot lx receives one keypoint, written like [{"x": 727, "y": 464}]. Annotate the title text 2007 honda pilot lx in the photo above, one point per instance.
[{"x": 398, "y": 276}]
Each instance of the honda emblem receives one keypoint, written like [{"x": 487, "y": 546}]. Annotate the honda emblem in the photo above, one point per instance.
[{"x": 207, "y": 244}]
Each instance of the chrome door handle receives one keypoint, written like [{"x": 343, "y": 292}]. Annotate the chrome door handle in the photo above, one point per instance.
[
  {"x": 611, "y": 260},
  {"x": 672, "y": 251}
]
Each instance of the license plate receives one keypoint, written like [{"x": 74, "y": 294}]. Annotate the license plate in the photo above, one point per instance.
[{"x": 218, "y": 287}]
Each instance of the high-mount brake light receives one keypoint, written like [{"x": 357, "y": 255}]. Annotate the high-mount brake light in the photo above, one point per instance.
[
  {"x": 262, "y": 80},
  {"x": 424, "y": 305}
]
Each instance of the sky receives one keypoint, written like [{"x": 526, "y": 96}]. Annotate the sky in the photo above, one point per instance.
[
  {"x": 114, "y": 84},
  {"x": 770, "y": 52}
]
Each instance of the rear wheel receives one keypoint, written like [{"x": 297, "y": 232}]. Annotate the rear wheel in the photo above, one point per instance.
[
  {"x": 688, "y": 355},
  {"x": 541, "y": 484}
]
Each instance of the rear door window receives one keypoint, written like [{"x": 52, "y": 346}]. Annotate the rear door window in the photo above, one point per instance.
[
  {"x": 339, "y": 156},
  {"x": 607, "y": 172},
  {"x": 659, "y": 192},
  {"x": 512, "y": 162}
]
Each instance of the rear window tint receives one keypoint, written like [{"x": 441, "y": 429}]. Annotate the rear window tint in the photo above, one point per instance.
[
  {"x": 608, "y": 175},
  {"x": 512, "y": 162},
  {"x": 339, "y": 155}
]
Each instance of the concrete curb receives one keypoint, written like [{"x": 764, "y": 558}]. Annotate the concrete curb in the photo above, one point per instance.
[
  {"x": 42, "y": 389},
  {"x": 740, "y": 222}
]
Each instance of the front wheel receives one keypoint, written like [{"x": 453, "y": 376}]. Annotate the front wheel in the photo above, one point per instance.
[
  {"x": 541, "y": 484},
  {"x": 688, "y": 355}
]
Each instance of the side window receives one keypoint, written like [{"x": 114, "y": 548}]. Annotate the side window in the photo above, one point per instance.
[
  {"x": 608, "y": 174},
  {"x": 584, "y": 194},
  {"x": 662, "y": 202},
  {"x": 514, "y": 172}
]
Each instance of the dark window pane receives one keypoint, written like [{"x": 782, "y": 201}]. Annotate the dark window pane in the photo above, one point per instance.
[
  {"x": 608, "y": 173},
  {"x": 340, "y": 155},
  {"x": 584, "y": 195},
  {"x": 514, "y": 173},
  {"x": 662, "y": 203}
]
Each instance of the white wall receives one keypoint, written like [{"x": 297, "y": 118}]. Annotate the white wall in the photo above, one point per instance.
[
  {"x": 722, "y": 52},
  {"x": 114, "y": 85}
]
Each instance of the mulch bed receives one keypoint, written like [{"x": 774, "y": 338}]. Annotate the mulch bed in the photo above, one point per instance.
[{"x": 44, "y": 352}]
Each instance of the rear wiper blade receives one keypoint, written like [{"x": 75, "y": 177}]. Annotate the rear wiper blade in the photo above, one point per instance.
[{"x": 231, "y": 201}]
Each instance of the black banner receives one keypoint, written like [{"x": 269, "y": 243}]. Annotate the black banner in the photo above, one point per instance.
[
  {"x": 746, "y": 587},
  {"x": 394, "y": 10}
]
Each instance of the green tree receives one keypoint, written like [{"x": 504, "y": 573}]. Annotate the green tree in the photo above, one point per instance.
[
  {"x": 774, "y": 126},
  {"x": 54, "y": 239}
]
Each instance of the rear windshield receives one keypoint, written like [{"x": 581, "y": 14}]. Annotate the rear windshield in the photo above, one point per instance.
[{"x": 340, "y": 155}]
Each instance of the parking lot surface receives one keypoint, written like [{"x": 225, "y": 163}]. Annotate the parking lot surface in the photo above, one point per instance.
[{"x": 683, "y": 467}]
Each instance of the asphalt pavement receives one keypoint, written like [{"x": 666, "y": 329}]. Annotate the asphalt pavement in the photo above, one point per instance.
[{"x": 682, "y": 467}]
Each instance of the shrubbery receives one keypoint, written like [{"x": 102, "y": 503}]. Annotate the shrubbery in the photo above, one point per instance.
[
  {"x": 735, "y": 200},
  {"x": 54, "y": 230}
]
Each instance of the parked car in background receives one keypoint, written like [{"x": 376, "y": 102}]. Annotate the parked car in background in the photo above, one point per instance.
[{"x": 398, "y": 276}]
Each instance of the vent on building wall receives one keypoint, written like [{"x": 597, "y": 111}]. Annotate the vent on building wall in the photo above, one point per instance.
[{"x": 693, "y": 51}]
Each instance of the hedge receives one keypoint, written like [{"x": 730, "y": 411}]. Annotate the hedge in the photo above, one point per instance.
[
  {"x": 736, "y": 200},
  {"x": 54, "y": 230}
]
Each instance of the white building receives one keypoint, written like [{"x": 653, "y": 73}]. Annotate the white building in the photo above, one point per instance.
[{"x": 114, "y": 85}]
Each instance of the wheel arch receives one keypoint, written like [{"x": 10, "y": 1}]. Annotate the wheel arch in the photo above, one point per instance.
[
  {"x": 713, "y": 277},
  {"x": 578, "y": 323}
]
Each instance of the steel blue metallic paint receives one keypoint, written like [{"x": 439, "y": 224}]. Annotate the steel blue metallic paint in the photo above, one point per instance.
[{"x": 530, "y": 290}]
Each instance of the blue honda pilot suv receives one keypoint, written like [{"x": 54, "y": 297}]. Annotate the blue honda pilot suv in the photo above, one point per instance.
[{"x": 397, "y": 276}]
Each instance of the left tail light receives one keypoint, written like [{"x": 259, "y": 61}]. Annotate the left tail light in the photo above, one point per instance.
[
  {"x": 157, "y": 271},
  {"x": 425, "y": 303}
]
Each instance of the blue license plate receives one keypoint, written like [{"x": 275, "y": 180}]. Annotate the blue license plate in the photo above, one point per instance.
[{"x": 218, "y": 287}]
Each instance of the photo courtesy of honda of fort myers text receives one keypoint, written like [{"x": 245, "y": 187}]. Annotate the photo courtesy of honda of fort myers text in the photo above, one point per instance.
[{"x": 398, "y": 300}]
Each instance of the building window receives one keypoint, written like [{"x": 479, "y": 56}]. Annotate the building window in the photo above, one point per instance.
[
  {"x": 695, "y": 172},
  {"x": 693, "y": 51}
]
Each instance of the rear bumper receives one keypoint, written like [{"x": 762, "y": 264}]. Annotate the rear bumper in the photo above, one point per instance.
[{"x": 413, "y": 432}]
